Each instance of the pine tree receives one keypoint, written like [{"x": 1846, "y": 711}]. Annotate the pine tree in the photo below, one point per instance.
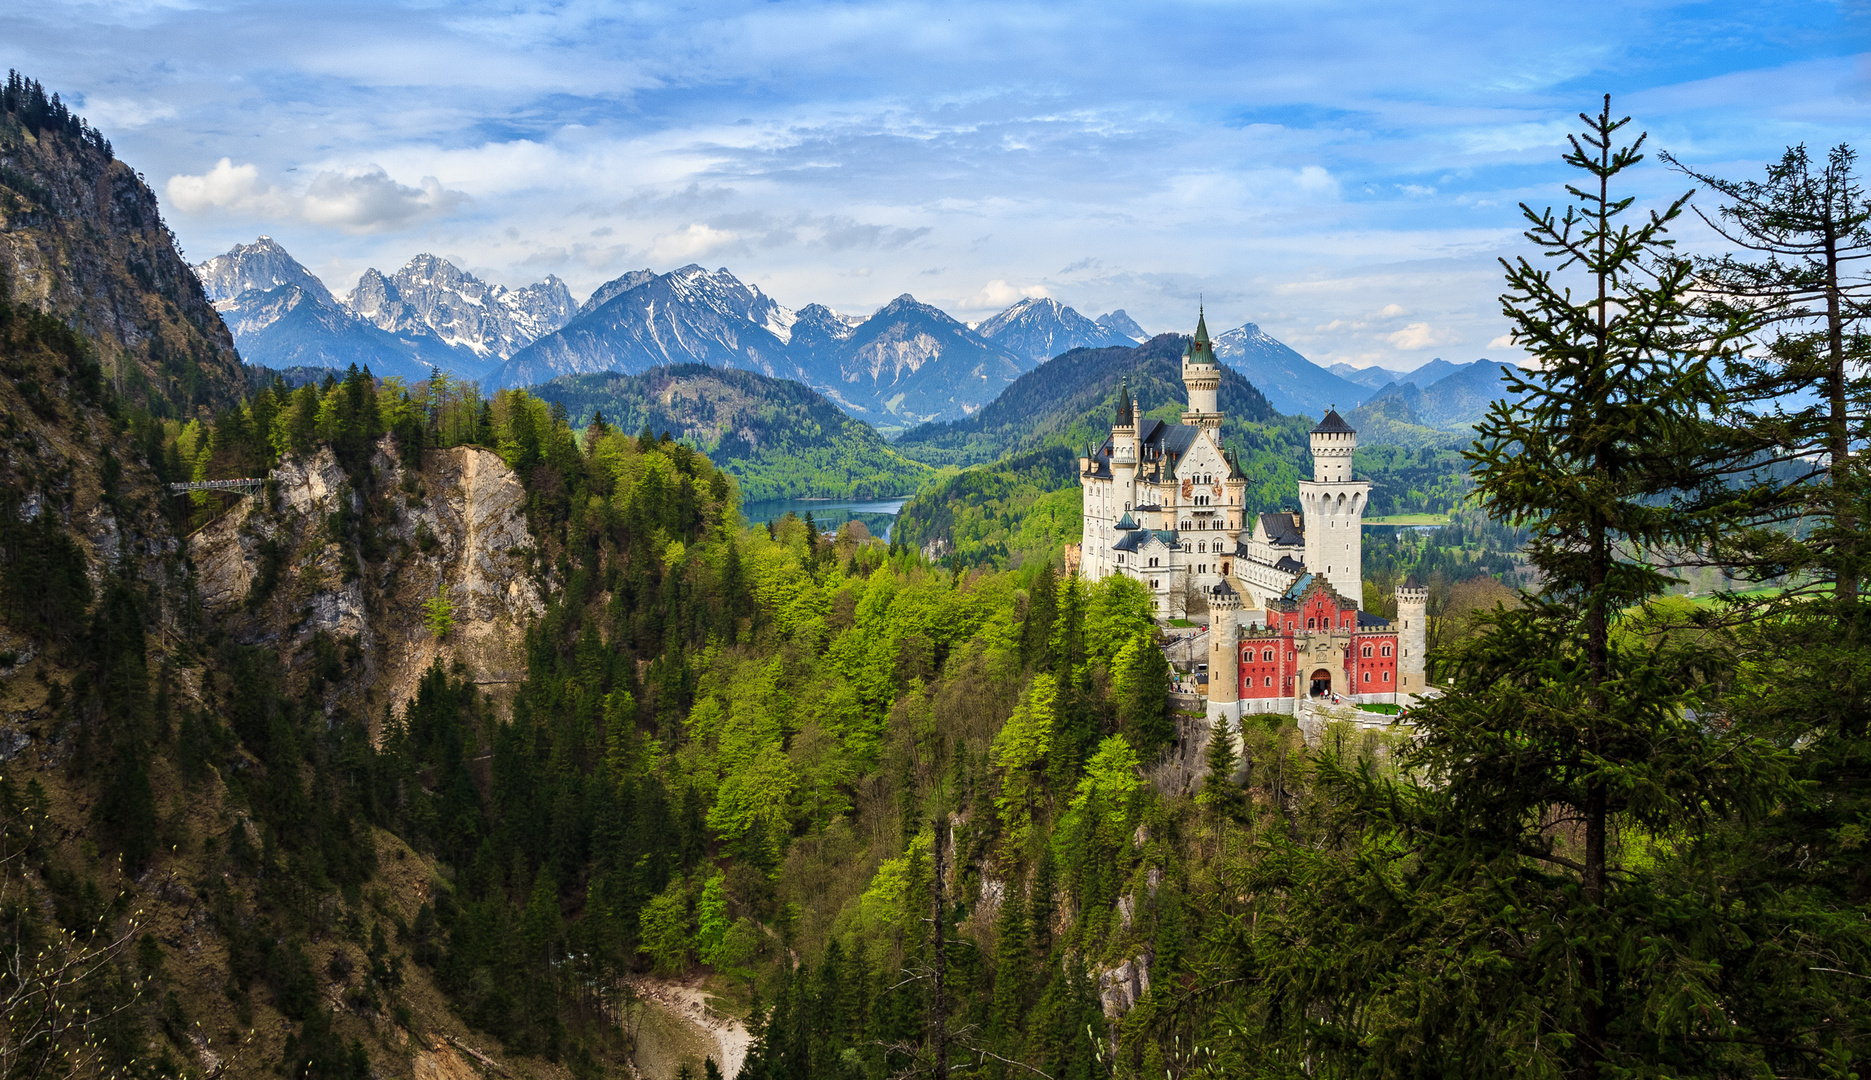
[
  {"x": 438, "y": 613},
  {"x": 1790, "y": 440}
]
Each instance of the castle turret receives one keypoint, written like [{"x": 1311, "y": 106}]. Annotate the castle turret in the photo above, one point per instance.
[
  {"x": 1224, "y": 665},
  {"x": 1124, "y": 450},
  {"x": 1201, "y": 377},
  {"x": 1333, "y": 504},
  {"x": 1412, "y": 638}
]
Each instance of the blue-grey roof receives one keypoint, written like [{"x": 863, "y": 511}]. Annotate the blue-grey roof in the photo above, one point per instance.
[
  {"x": 1368, "y": 621},
  {"x": 1133, "y": 540},
  {"x": 1289, "y": 565},
  {"x": 1126, "y": 522},
  {"x": 1334, "y": 424},
  {"x": 1298, "y": 587},
  {"x": 1174, "y": 438},
  {"x": 1281, "y": 529}
]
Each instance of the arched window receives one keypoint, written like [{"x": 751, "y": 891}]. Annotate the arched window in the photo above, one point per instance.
[
  {"x": 1268, "y": 655},
  {"x": 1367, "y": 676},
  {"x": 1386, "y": 650},
  {"x": 1312, "y": 624},
  {"x": 1269, "y": 680}
]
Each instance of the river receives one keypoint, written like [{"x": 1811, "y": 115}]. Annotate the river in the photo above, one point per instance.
[{"x": 878, "y": 515}]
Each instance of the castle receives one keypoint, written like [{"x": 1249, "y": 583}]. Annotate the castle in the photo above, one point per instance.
[{"x": 1165, "y": 504}]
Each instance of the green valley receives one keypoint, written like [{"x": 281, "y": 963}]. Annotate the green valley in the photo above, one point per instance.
[{"x": 778, "y": 438}]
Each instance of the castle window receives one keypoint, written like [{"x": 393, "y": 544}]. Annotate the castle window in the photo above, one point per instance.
[
  {"x": 1386, "y": 676},
  {"x": 1386, "y": 650},
  {"x": 1312, "y": 624},
  {"x": 1367, "y": 650},
  {"x": 1268, "y": 655},
  {"x": 1269, "y": 680},
  {"x": 1367, "y": 676}
]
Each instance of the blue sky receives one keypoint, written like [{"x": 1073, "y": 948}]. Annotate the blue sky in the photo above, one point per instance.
[{"x": 1344, "y": 175}]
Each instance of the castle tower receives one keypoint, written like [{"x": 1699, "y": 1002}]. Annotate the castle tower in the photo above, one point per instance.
[
  {"x": 1201, "y": 377},
  {"x": 1412, "y": 638},
  {"x": 1224, "y": 666},
  {"x": 1333, "y": 504},
  {"x": 1124, "y": 452}
]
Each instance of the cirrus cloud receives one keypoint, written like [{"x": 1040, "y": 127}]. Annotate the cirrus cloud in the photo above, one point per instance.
[{"x": 363, "y": 200}]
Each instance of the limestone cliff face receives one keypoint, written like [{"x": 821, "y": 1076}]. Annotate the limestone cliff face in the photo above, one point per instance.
[{"x": 282, "y": 572}]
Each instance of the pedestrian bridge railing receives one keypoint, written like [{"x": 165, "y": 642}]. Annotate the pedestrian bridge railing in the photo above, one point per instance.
[{"x": 219, "y": 485}]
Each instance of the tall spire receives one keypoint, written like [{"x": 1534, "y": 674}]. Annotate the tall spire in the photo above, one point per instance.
[
  {"x": 1201, "y": 325},
  {"x": 1123, "y": 403}
]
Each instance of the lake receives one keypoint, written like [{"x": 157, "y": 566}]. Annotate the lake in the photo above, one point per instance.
[{"x": 878, "y": 515}]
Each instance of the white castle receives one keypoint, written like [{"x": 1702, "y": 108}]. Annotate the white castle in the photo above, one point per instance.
[{"x": 1165, "y": 504}]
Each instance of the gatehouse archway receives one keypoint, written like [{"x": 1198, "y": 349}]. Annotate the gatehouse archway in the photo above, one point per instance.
[{"x": 1321, "y": 683}]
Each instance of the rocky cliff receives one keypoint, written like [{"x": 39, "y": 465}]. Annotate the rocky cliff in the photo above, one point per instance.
[
  {"x": 275, "y": 571},
  {"x": 81, "y": 238}
]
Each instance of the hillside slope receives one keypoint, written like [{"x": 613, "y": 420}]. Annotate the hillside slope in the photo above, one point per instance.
[
  {"x": 778, "y": 438},
  {"x": 1069, "y": 400},
  {"x": 82, "y": 238}
]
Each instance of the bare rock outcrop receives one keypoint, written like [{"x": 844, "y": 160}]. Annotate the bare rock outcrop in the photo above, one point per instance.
[{"x": 282, "y": 572}]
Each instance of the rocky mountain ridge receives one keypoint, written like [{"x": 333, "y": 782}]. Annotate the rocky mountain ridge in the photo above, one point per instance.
[
  {"x": 1040, "y": 328},
  {"x": 431, "y": 295},
  {"x": 907, "y": 363},
  {"x": 82, "y": 239},
  {"x": 428, "y": 314}
]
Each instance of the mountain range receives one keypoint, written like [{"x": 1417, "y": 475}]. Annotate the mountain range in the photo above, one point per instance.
[
  {"x": 1438, "y": 397},
  {"x": 905, "y": 365},
  {"x": 908, "y": 363},
  {"x": 426, "y": 315}
]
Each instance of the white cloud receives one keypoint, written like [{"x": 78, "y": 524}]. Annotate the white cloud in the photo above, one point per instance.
[
  {"x": 998, "y": 294},
  {"x": 1505, "y": 341},
  {"x": 693, "y": 242},
  {"x": 1419, "y": 335},
  {"x": 362, "y": 200}
]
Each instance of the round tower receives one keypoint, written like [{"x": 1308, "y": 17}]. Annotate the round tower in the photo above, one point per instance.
[
  {"x": 1333, "y": 504},
  {"x": 1124, "y": 451},
  {"x": 1412, "y": 638},
  {"x": 1224, "y": 665},
  {"x": 1201, "y": 378}
]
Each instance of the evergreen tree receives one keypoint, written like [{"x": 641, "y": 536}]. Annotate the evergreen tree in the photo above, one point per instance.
[{"x": 1790, "y": 440}]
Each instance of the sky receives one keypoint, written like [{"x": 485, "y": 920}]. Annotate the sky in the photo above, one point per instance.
[{"x": 1344, "y": 175}]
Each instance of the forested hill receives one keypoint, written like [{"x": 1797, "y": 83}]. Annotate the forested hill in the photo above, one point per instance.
[
  {"x": 82, "y": 239},
  {"x": 778, "y": 438},
  {"x": 1070, "y": 399},
  {"x": 1021, "y": 508}
]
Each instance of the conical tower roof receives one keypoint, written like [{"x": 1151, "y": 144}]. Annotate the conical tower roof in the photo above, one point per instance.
[
  {"x": 1123, "y": 403},
  {"x": 1201, "y": 350}
]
